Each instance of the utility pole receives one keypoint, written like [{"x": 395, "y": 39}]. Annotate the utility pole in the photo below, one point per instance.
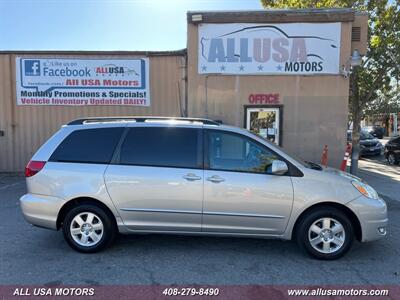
[{"x": 355, "y": 153}]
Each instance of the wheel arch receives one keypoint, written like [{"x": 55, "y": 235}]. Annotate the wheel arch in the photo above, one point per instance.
[
  {"x": 349, "y": 213},
  {"x": 79, "y": 201}
]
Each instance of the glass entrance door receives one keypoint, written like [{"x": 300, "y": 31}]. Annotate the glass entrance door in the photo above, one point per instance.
[{"x": 265, "y": 122}]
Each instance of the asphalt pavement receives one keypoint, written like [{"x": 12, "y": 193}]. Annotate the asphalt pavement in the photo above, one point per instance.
[
  {"x": 382, "y": 176},
  {"x": 30, "y": 255}
]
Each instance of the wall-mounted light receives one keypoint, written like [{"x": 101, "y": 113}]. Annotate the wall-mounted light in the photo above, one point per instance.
[
  {"x": 355, "y": 60},
  {"x": 197, "y": 18}
]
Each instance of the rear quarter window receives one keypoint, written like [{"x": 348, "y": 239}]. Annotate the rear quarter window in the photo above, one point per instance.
[{"x": 88, "y": 146}]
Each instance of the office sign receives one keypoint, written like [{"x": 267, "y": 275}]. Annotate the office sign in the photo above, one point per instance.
[
  {"x": 271, "y": 98},
  {"x": 70, "y": 81},
  {"x": 276, "y": 49}
]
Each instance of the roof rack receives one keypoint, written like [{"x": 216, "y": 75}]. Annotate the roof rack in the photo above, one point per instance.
[{"x": 141, "y": 119}]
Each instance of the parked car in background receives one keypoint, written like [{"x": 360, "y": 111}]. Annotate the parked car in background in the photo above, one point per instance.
[
  {"x": 392, "y": 150},
  {"x": 97, "y": 177},
  {"x": 375, "y": 130},
  {"x": 369, "y": 145}
]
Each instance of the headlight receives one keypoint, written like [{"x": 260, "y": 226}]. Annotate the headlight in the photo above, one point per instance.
[{"x": 365, "y": 189}]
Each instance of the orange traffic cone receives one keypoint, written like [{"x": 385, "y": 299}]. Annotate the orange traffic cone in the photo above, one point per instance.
[
  {"x": 346, "y": 157},
  {"x": 324, "y": 158}
]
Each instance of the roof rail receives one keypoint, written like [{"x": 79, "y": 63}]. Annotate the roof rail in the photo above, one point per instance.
[{"x": 141, "y": 119}]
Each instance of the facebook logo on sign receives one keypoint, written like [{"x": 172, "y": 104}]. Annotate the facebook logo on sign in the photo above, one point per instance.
[{"x": 32, "y": 67}]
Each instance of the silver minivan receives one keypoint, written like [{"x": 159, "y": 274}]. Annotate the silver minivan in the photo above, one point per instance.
[{"x": 98, "y": 177}]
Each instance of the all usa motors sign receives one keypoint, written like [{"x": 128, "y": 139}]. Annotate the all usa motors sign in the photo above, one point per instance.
[
  {"x": 69, "y": 81},
  {"x": 278, "y": 49}
]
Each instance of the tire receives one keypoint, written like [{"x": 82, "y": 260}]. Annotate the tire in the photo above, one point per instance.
[
  {"x": 88, "y": 228},
  {"x": 327, "y": 244},
  {"x": 391, "y": 158}
]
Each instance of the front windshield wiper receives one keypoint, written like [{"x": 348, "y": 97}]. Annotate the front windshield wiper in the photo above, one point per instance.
[{"x": 313, "y": 165}]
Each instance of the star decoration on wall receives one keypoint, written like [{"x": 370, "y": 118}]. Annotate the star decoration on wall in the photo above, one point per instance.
[
  {"x": 241, "y": 68},
  {"x": 279, "y": 68},
  {"x": 222, "y": 68},
  {"x": 260, "y": 68},
  {"x": 203, "y": 68}
]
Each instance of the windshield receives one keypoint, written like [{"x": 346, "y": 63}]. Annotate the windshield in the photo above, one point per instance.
[{"x": 365, "y": 136}]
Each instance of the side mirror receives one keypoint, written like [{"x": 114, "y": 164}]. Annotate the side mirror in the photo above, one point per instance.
[{"x": 279, "y": 167}]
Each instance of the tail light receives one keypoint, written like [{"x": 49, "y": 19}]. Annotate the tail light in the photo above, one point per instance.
[{"x": 33, "y": 167}]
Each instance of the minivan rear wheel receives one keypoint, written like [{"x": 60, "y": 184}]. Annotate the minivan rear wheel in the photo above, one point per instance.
[
  {"x": 325, "y": 233},
  {"x": 88, "y": 228}
]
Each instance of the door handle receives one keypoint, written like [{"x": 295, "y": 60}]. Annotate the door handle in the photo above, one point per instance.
[
  {"x": 215, "y": 179},
  {"x": 191, "y": 177}
]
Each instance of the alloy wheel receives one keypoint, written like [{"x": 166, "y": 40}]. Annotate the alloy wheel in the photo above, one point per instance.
[
  {"x": 326, "y": 235},
  {"x": 391, "y": 159},
  {"x": 86, "y": 229}
]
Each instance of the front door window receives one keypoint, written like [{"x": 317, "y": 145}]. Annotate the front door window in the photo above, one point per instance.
[{"x": 232, "y": 152}]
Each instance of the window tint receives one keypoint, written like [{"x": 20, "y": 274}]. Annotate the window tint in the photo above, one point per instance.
[
  {"x": 163, "y": 147},
  {"x": 232, "y": 152},
  {"x": 88, "y": 146}
]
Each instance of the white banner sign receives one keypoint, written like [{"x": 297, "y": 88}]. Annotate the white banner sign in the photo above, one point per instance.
[
  {"x": 278, "y": 49},
  {"x": 69, "y": 81}
]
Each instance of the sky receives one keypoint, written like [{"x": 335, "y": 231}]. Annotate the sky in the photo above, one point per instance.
[{"x": 148, "y": 25}]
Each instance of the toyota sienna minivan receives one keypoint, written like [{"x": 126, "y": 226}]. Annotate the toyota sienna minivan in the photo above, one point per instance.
[{"x": 98, "y": 177}]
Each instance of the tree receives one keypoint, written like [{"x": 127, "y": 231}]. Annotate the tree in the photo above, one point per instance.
[
  {"x": 373, "y": 80},
  {"x": 384, "y": 104}
]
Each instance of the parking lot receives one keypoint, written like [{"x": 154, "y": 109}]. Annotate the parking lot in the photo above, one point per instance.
[{"x": 30, "y": 255}]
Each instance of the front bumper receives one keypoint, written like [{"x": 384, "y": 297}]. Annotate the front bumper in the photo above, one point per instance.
[
  {"x": 372, "y": 215},
  {"x": 41, "y": 210},
  {"x": 371, "y": 151}
]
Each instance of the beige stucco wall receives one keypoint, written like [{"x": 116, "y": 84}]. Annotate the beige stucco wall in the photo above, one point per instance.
[
  {"x": 361, "y": 21},
  {"x": 27, "y": 127},
  {"x": 315, "y": 108}
]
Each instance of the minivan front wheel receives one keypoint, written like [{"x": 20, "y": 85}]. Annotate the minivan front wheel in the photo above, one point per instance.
[
  {"x": 325, "y": 233},
  {"x": 87, "y": 228}
]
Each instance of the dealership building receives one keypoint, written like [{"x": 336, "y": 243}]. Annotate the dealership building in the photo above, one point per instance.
[{"x": 283, "y": 74}]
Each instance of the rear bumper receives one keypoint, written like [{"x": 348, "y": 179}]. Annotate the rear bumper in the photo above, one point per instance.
[
  {"x": 41, "y": 210},
  {"x": 372, "y": 215}
]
